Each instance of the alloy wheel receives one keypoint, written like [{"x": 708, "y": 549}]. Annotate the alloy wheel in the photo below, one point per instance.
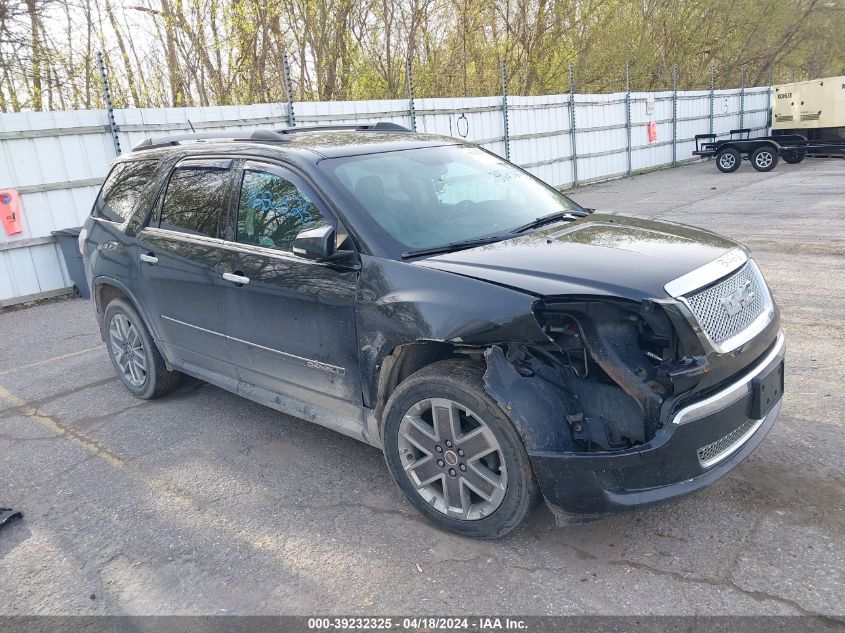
[
  {"x": 726, "y": 161},
  {"x": 452, "y": 459},
  {"x": 127, "y": 347},
  {"x": 763, "y": 159}
]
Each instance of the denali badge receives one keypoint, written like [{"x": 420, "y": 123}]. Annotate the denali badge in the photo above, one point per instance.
[
  {"x": 313, "y": 364},
  {"x": 739, "y": 299}
]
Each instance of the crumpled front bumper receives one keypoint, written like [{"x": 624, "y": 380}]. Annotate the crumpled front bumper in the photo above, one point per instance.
[{"x": 701, "y": 443}]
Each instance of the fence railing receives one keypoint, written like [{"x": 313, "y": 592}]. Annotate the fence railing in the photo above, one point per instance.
[{"x": 56, "y": 160}]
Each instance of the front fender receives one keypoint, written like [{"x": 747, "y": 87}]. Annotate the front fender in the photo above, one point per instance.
[{"x": 400, "y": 303}]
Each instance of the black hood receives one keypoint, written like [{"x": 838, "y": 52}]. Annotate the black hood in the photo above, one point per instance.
[{"x": 602, "y": 254}]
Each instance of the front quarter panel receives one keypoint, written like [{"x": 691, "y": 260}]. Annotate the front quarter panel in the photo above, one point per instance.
[{"x": 400, "y": 303}]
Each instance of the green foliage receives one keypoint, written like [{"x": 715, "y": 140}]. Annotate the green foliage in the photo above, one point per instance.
[{"x": 203, "y": 52}]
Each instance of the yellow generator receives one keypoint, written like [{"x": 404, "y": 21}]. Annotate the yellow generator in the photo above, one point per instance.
[{"x": 814, "y": 109}]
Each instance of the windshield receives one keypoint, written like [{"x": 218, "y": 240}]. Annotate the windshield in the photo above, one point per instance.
[{"x": 433, "y": 196}]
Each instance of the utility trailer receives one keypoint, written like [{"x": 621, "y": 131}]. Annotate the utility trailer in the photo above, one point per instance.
[
  {"x": 808, "y": 117},
  {"x": 762, "y": 152}
]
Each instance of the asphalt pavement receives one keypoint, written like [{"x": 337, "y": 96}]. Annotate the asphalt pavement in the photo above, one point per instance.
[{"x": 205, "y": 503}]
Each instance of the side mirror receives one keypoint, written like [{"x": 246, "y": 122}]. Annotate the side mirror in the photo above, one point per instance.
[{"x": 316, "y": 244}]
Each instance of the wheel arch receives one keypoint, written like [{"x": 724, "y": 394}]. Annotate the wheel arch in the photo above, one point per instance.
[
  {"x": 754, "y": 147},
  {"x": 105, "y": 289},
  {"x": 534, "y": 406},
  {"x": 407, "y": 359}
]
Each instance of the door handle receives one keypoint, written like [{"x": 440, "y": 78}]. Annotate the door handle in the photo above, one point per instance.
[
  {"x": 149, "y": 258},
  {"x": 240, "y": 280}
]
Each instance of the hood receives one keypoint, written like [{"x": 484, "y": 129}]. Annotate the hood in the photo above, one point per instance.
[{"x": 612, "y": 255}]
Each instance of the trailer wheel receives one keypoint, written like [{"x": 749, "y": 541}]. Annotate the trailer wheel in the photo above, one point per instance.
[
  {"x": 728, "y": 160},
  {"x": 793, "y": 157},
  {"x": 764, "y": 158}
]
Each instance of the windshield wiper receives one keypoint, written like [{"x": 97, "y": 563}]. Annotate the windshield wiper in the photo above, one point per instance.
[
  {"x": 548, "y": 219},
  {"x": 453, "y": 246}
]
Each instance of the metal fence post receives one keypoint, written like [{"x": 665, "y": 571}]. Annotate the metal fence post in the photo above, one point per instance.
[
  {"x": 572, "y": 126},
  {"x": 712, "y": 91},
  {"x": 410, "y": 82},
  {"x": 675, "y": 114},
  {"x": 289, "y": 115},
  {"x": 107, "y": 98},
  {"x": 628, "y": 112},
  {"x": 505, "y": 110},
  {"x": 769, "y": 101},
  {"x": 742, "y": 98},
  {"x": 793, "y": 76}
]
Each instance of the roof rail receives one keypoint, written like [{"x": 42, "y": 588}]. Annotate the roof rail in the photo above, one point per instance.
[
  {"x": 381, "y": 126},
  {"x": 236, "y": 135},
  {"x": 273, "y": 136}
]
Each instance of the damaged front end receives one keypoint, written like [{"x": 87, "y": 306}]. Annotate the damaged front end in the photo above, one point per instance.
[
  {"x": 595, "y": 403},
  {"x": 612, "y": 362}
]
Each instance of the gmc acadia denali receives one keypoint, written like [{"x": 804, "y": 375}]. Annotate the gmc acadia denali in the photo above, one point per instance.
[{"x": 498, "y": 341}]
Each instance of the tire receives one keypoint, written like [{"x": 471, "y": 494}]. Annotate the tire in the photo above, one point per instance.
[
  {"x": 793, "y": 157},
  {"x": 728, "y": 160},
  {"x": 476, "y": 424},
  {"x": 764, "y": 158},
  {"x": 134, "y": 356}
]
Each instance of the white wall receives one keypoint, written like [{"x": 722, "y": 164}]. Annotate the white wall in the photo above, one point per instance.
[{"x": 56, "y": 160}]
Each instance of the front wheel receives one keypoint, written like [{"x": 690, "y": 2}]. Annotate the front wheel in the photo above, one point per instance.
[
  {"x": 764, "y": 158},
  {"x": 728, "y": 160},
  {"x": 455, "y": 454}
]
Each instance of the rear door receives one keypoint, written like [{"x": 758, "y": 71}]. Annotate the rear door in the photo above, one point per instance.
[
  {"x": 178, "y": 253},
  {"x": 290, "y": 321}
]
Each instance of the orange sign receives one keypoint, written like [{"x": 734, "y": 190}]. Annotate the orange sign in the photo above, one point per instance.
[
  {"x": 652, "y": 131},
  {"x": 10, "y": 213}
]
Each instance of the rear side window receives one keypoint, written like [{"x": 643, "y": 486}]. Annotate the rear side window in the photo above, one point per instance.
[
  {"x": 195, "y": 198},
  {"x": 122, "y": 190}
]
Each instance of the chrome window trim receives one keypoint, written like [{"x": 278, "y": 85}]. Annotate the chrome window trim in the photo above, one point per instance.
[
  {"x": 188, "y": 237},
  {"x": 229, "y": 244},
  {"x": 733, "y": 392},
  {"x": 267, "y": 251},
  {"x": 712, "y": 271}
]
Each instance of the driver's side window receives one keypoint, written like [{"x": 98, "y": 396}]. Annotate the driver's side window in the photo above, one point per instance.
[{"x": 272, "y": 210}]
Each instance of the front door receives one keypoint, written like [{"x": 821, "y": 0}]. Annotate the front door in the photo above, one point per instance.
[
  {"x": 178, "y": 253},
  {"x": 290, "y": 321}
]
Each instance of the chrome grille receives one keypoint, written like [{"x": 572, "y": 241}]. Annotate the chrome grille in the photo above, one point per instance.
[
  {"x": 724, "y": 309},
  {"x": 720, "y": 449}
]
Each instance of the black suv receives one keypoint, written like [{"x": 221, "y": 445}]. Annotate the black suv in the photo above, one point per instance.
[{"x": 494, "y": 338}]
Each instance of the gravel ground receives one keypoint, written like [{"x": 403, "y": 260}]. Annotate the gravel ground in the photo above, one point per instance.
[{"x": 205, "y": 503}]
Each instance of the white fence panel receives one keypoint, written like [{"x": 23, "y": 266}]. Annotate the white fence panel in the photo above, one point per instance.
[
  {"x": 539, "y": 136},
  {"x": 646, "y": 154},
  {"x": 475, "y": 119},
  {"x": 601, "y": 139},
  {"x": 56, "y": 160}
]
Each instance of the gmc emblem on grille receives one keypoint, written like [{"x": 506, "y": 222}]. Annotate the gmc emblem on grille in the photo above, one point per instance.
[{"x": 739, "y": 299}]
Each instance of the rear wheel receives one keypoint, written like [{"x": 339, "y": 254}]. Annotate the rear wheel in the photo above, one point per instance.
[
  {"x": 764, "y": 158},
  {"x": 793, "y": 157},
  {"x": 135, "y": 358},
  {"x": 455, "y": 454},
  {"x": 728, "y": 160}
]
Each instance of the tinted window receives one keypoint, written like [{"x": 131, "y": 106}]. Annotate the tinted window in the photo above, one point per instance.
[
  {"x": 122, "y": 190},
  {"x": 273, "y": 210},
  {"x": 195, "y": 198}
]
